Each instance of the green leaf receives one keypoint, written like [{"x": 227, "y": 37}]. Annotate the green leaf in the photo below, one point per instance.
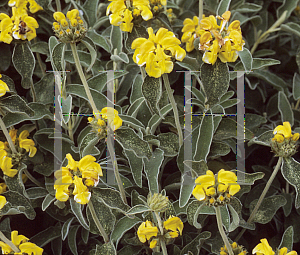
[
  {"x": 116, "y": 39},
  {"x": 106, "y": 249},
  {"x": 215, "y": 79},
  {"x": 43, "y": 87},
  {"x": 46, "y": 236},
  {"x": 205, "y": 138},
  {"x": 277, "y": 82},
  {"x": 91, "y": 10},
  {"x": 104, "y": 215},
  {"x": 296, "y": 86},
  {"x": 122, "y": 226},
  {"x": 19, "y": 203},
  {"x": 9, "y": 82},
  {"x": 24, "y": 62},
  {"x": 88, "y": 145},
  {"x": 287, "y": 208},
  {"x": 16, "y": 183},
  {"x": 186, "y": 189},
  {"x": 138, "y": 209},
  {"x": 129, "y": 140},
  {"x": 40, "y": 111},
  {"x": 72, "y": 239},
  {"x": 66, "y": 106},
  {"x": 36, "y": 192},
  {"x": 131, "y": 121},
  {"x": 288, "y": 6},
  {"x": 152, "y": 167},
  {"x": 249, "y": 7},
  {"x": 99, "y": 40},
  {"x": 165, "y": 21},
  {"x": 92, "y": 49},
  {"x": 267, "y": 209},
  {"x": 218, "y": 149},
  {"x": 40, "y": 47},
  {"x": 290, "y": 170},
  {"x": 291, "y": 27},
  {"x": 111, "y": 198},
  {"x": 65, "y": 228},
  {"x": 195, "y": 245},
  {"x": 189, "y": 63},
  {"x": 263, "y": 139},
  {"x": 76, "y": 209},
  {"x": 57, "y": 57},
  {"x": 152, "y": 91},
  {"x": 249, "y": 179},
  {"x": 136, "y": 166},
  {"x": 285, "y": 108},
  {"x": 47, "y": 201},
  {"x": 85, "y": 235},
  {"x": 15, "y": 103},
  {"x": 137, "y": 32},
  {"x": 223, "y": 7},
  {"x": 169, "y": 144},
  {"x": 156, "y": 119},
  {"x": 287, "y": 239},
  {"x": 246, "y": 59},
  {"x": 235, "y": 219},
  {"x": 6, "y": 55}
]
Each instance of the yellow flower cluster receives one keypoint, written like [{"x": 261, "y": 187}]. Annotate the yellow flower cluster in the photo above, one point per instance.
[
  {"x": 8, "y": 160},
  {"x": 70, "y": 29},
  {"x": 216, "y": 190},
  {"x": 157, "y": 52},
  {"x": 237, "y": 249},
  {"x": 284, "y": 143},
  {"x": 122, "y": 15},
  {"x": 21, "y": 242},
  {"x": 107, "y": 117},
  {"x": 3, "y": 188},
  {"x": 20, "y": 25},
  {"x": 77, "y": 176},
  {"x": 215, "y": 40},
  {"x": 264, "y": 248},
  {"x": 148, "y": 231},
  {"x": 3, "y": 87}
]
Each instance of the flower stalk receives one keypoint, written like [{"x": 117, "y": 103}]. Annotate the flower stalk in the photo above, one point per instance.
[
  {"x": 161, "y": 229},
  {"x": 200, "y": 10},
  {"x": 97, "y": 222},
  {"x": 10, "y": 243},
  {"x": 221, "y": 230},
  {"x": 83, "y": 79},
  {"x": 31, "y": 178},
  {"x": 174, "y": 107},
  {"x": 261, "y": 198},
  {"x": 8, "y": 138}
]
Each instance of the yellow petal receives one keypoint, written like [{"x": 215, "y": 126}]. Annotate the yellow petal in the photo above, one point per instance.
[
  {"x": 31, "y": 248},
  {"x": 174, "y": 224},
  {"x": 263, "y": 248},
  {"x": 58, "y": 16},
  {"x": 2, "y": 201},
  {"x": 153, "y": 244}
]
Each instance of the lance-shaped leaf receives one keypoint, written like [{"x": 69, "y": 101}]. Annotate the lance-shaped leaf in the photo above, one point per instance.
[
  {"x": 246, "y": 58},
  {"x": 57, "y": 57},
  {"x": 116, "y": 39},
  {"x": 66, "y": 227},
  {"x": 152, "y": 167},
  {"x": 72, "y": 239},
  {"x": 290, "y": 170},
  {"x": 76, "y": 209},
  {"x": 152, "y": 91},
  {"x": 215, "y": 79},
  {"x": 43, "y": 89},
  {"x": 169, "y": 144},
  {"x": 106, "y": 249},
  {"x": 263, "y": 139},
  {"x": 46, "y": 236},
  {"x": 88, "y": 42},
  {"x": 136, "y": 165},
  {"x": 296, "y": 86},
  {"x": 285, "y": 108},
  {"x": 195, "y": 245},
  {"x": 137, "y": 32},
  {"x": 99, "y": 40},
  {"x": 129, "y": 140},
  {"x": 24, "y": 62},
  {"x": 287, "y": 239},
  {"x": 15, "y": 103},
  {"x": 223, "y": 7}
]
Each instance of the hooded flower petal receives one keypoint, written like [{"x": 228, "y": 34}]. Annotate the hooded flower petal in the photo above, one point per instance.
[
  {"x": 263, "y": 248},
  {"x": 146, "y": 230},
  {"x": 62, "y": 188},
  {"x": 30, "y": 248},
  {"x": 204, "y": 185},
  {"x": 2, "y": 201},
  {"x": 82, "y": 195},
  {"x": 228, "y": 181},
  {"x": 174, "y": 224}
]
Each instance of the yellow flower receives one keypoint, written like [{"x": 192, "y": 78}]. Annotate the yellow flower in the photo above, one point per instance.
[
  {"x": 72, "y": 164},
  {"x": 263, "y": 248},
  {"x": 284, "y": 131},
  {"x": 3, "y": 85},
  {"x": 227, "y": 181},
  {"x": 284, "y": 251},
  {"x": 21, "y": 242},
  {"x": 58, "y": 16},
  {"x": 204, "y": 186},
  {"x": 61, "y": 186},
  {"x": 175, "y": 225},
  {"x": 146, "y": 231},
  {"x": 190, "y": 31},
  {"x": 156, "y": 52},
  {"x": 111, "y": 114},
  {"x": 2, "y": 201},
  {"x": 27, "y": 144},
  {"x": 82, "y": 195},
  {"x": 34, "y": 7},
  {"x": 6, "y": 26},
  {"x": 22, "y": 4},
  {"x": 6, "y": 166},
  {"x": 153, "y": 244}
]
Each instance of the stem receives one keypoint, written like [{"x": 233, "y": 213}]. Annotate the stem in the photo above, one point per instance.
[
  {"x": 200, "y": 10},
  {"x": 70, "y": 129},
  {"x": 58, "y": 6},
  {"x": 161, "y": 229},
  {"x": 10, "y": 243},
  {"x": 261, "y": 198},
  {"x": 221, "y": 230},
  {"x": 38, "y": 56},
  {"x": 297, "y": 104},
  {"x": 33, "y": 92},
  {"x": 116, "y": 171},
  {"x": 287, "y": 188},
  {"x": 31, "y": 178},
  {"x": 98, "y": 224},
  {"x": 143, "y": 72},
  {"x": 83, "y": 79},
  {"x": 8, "y": 138},
  {"x": 173, "y": 103}
]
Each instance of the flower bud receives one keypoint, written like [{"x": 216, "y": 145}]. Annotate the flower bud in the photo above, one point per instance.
[{"x": 157, "y": 202}]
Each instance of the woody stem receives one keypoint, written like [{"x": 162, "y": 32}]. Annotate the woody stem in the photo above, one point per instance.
[
  {"x": 175, "y": 110},
  {"x": 83, "y": 79},
  {"x": 8, "y": 242},
  {"x": 221, "y": 230},
  {"x": 8, "y": 138},
  {"x": 261, "y": 198}
]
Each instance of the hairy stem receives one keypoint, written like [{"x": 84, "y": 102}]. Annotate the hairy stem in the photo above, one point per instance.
[
  {"x": 10, "y": 243},
  {"x": 83, "y": 79},
  {"x": 200, "y": 10},
  {"x": 221, "y": 230},
  {"x": 161, "y": 230},
  {"x": 58, "y": 6},
  {"x": 31, "y": 178},
  {"x": 97, "y": 222},
  {"x": 8, "y": 138},
  {"x": 173, "y": 103},
  {"x": 261, "y": 198}
]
